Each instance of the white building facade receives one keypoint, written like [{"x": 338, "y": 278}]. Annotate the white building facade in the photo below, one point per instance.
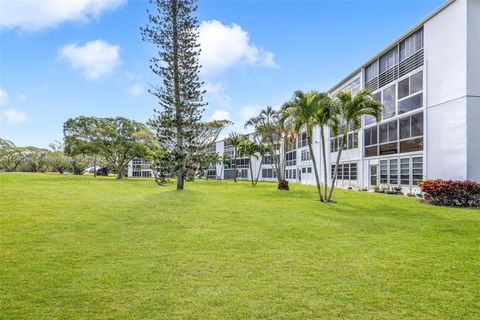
[{"x": 429, "y": 83}]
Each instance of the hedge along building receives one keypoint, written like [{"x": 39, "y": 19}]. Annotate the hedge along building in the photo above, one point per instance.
[{"x": 429, "y": 82}]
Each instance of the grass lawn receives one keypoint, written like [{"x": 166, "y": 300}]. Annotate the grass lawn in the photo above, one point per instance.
[{"x": 84, "y": 248}]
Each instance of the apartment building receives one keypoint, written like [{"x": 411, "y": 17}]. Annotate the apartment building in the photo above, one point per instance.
[{"x": 429, "y": 83}]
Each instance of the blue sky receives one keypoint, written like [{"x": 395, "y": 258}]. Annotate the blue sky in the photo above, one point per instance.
[{"x": 85, "y": 57}]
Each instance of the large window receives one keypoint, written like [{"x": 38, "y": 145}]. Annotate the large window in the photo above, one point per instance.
[
  {"x": 350, "y": 143},
  {"x": 371, "y": 119},
  {"x": 291, "y": 158},
  {"x": 346, "y": 171},
  {"x": 409, "y": 93},
  {"x": 389, "y": 109},
  {"x": 371, "y": 72},
  {"x": 269, "y": 173},
  {"x": 388, "y": 60},
  {"x": 411, "y": 45},
  {"x": 397, "y": 136},
  {"x": 406, "y": 171},
  {"x": 306, "y": 155}
]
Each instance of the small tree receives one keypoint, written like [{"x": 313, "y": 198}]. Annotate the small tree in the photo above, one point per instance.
[
  {"x": 249, "y": 149},
  {"x": 272, "y": 132},
  {"x": 234, "y": 139}
]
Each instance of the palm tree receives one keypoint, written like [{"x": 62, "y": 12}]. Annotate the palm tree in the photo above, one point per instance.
[
  {"x": 299, "y": 112},
  {"x": 269, "y": 131},
  {"x": 262, "y": 152},
  {"x": 213, "y": 159},
  {"x": 352, "y": 109},
  {"x": 325, "y": 117},
  {"x": 234, "y": 139},
  {"x": 248, "y": 148},
  {"x": 226, "y": 159}
]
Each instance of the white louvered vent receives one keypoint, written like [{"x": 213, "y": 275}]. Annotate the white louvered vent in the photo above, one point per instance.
[{"x": 411, "y": 63}]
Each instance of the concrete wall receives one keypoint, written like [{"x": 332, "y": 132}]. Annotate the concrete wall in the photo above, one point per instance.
[
  {"x": 446, "y": 82},
  {"x": 473, "y": 90}
]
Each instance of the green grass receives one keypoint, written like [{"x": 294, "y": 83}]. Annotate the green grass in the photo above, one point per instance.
[{"x": 84, "y": 248}]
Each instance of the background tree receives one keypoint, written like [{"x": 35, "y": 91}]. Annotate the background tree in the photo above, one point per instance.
[
  {"x": 80, "y": 162},
  {"x": 10, "y": 156},
  {"x": 173, "y": 29},
  {"x": 81, "y": 138},
  {"x": 234, "y": 139},
  {"x": 57, "y": 159},
  {"x": 35, "y": 159},
  {"x": 351, "y": 109},
  {"x": 117, "y": 140}
]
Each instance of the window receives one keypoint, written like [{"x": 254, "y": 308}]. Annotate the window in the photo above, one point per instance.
[
  {"x": 371, "y": 136},
  {"x": 389, "y": 102},
  {"x": 371, "y": 72},
  {"x": 404, "y": 88},
  {"x": 405, "y": 171},
  {"x": 410, "y": 104},
  {"x": 268, "y": 173},
  {"x": 388, "y": 60},
  {"x": 291, "y": 158},
  {"x": 371, "y": 119},
  {"x": 303, "y": 141},
  {"x": 393, "y": 171},
  {"x": 309, "y": 170},
  {"x": 384, "y": 171},
  {"x": 417, "y": 170},
  {"x": 305, "y": 155},
  {"x": 388, "y": 132},
  {"x": 346, "y": 171},
  {"x": 411, "y": 45},
  {"x": 416, "y": 82},
  {"x": 411, "y": 126}
]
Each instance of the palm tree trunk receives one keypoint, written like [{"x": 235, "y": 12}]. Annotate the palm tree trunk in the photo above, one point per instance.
[
  {"x": 259, "y": 169},
  {"x": 251, "y": 172},
  {"x": 94, "y": 166},
  {"x": 334, "y": 178},
  {"x": 324, "y": 155},
  {"x": 235, "y": 168},
  {"x": 317, "y": 180}
]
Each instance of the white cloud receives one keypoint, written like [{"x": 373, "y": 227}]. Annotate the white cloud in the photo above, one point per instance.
[
  {"x": 14, "y": 116},
  {"x": 249, "y": 111},
  {"x": 220, "y": 115},
  {"x": 33, "y": 15},
  {"x": 95, "y": 58},
  {"x": 135, "y": 90},
  {"x": 226, "y": 45},
  {"x": 216, "y": 95},
  {"x": 3, "y": 97}
]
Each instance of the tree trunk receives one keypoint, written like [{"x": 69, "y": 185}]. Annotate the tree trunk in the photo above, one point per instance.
[
  {"x": 251, "y": 172},
  {"x": 94, "y": 166},
  {"x": 178, "y": 112},
  {"x": 334, "y": 178},
  {"x": 314, "y": 164},
  {"x": 259, "y": 169},
  {"x": 120, "y": 174},
  {"x": 235, "y": 168},
  {"x": 324, "y": 155}
]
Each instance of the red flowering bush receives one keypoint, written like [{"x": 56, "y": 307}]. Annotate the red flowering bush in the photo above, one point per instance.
[{"x": 451, "y": 192}]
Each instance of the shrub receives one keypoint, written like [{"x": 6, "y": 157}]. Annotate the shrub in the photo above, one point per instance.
[{"x": 451, "y": 192}]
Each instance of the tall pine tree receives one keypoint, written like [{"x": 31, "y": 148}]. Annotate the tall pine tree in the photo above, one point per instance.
[{"x": 173, "y": 29}]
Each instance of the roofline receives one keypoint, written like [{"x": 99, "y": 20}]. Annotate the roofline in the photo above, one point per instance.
[{"x": 401, "y": 38}]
